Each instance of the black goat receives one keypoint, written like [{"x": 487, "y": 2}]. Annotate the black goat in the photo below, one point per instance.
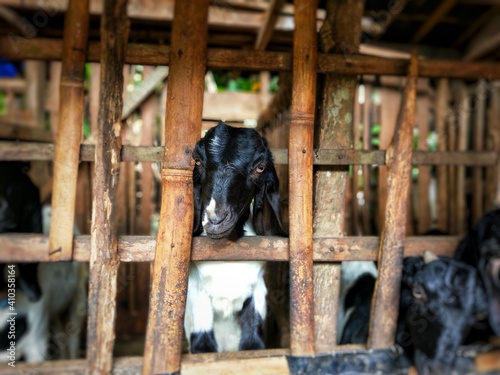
[
  {"x": 36, "y": 292},
  {"x": 441, "y": 300},
  {"x": 226, "y": 301},
  {"x": 481, "y": 250}
]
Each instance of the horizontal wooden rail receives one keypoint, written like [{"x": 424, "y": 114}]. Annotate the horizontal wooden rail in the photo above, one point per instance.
[
  {"x": 45, "y": 151},
  {"x": 150, "y": 54},
  {"x": 30, "y": 248}
]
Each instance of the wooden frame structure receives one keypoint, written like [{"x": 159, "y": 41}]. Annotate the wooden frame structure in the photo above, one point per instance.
[{"x": 188, "y": 57}]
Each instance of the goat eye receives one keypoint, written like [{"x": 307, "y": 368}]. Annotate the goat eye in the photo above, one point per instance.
[
  {"x": 260, "y": 168},
  {"x": 418, "y": 292}
]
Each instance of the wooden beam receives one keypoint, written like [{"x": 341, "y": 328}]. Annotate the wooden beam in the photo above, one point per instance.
[
  {"x": 144, "y": 90},
  {"x": 104, "y": 259},
  {"x": 463, "y": 109},
  {"x": 478, "y": 137},
  {"x": 301, "y": 178},
  {"x": 69, "y": 130},
  {"x": 45, "y": 151},
  {"x": 442, "y": 140},
  {"x": 486, "y": 41},
  {"x": 145, "y": 54},
  {"x": 423, "y": 207},
  {"x": 385, "y": 304},
  {"x": 29, "y": 248},
  {"x": 182, "y": 129},
  {"x": 478, "y": 23},
  {"x": 334, "y": 130},
  {"x": 267, "y": 28},
  {"x": 441, "y": 10}
]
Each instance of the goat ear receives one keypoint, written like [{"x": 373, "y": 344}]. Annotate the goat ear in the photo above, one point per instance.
[
  {"x": 28, "y": 281},
  {"x": 198, "y": 206},
  {"x": 266, "y": 206}
]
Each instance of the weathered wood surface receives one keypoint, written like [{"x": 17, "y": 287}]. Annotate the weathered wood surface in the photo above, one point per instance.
[
  {"x": 385, "y": 304},
  {"x": 463, "y": 115},
  {"x": 29, "y": 248},
  {"x": 267, "y": 29},
  {"x": 145, "y": 54},
  {"x": 423, "y": 209},
  {"x": 442, "y": 173},
  {"x": 45, "y": 151},
  {"x": 69, "y": 129},
  {"x": 104, "y": 260},
  {"x": 334, "y": 131},
  {"x": 162, "y": 353},
  {"x": 478, "y": 139},
  {"x": 301, "y": 178}
]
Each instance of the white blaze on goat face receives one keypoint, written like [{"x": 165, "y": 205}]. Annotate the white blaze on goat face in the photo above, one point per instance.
[{"x": 210, "y": 210}]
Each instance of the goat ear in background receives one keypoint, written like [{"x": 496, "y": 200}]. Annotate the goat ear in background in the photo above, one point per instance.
[
  {"x": 266, "y": 206},
  {"x": 198, "y": 206},
  {"x": 28, "y": 281}
]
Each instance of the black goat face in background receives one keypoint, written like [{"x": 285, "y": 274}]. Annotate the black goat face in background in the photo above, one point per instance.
[
  {"x": 446, "y": 301},
  {"x": 233, "y": 167},
  {"x": 481, "y": 249}
]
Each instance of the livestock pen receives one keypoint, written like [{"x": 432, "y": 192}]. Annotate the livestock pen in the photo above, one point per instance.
[{"x": 313, "y": 123}]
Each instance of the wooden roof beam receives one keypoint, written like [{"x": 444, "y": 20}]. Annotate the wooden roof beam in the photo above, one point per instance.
[
  {"x": 439, "y": 13},
  {"x": 267, "y": 29},
  {"x": 476, "y": 25}
]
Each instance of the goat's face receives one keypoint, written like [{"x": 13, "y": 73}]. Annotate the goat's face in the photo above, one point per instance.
[
  {"x": 233, "y": 167},
  {"x": 446, "y": 302}
]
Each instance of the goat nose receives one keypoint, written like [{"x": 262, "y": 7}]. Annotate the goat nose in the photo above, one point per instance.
[{"x": 217, "y": 218}]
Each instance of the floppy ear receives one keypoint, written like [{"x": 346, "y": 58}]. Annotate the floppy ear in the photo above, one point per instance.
[
  {"x": 266, "y": 206},
  {"x": 28, "y": 281},
  {"x": 198, "y": 206}
]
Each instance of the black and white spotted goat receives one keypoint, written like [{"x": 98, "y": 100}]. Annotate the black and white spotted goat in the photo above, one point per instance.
[
  {"x": 236, "y": 193},
  {"x": 43, "y": 291}
]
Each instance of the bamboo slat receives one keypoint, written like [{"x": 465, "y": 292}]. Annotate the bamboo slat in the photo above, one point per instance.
[
  {"x": 385, "y": 305},
  {"x": 69, "y": 129},
  {"x": 104, "y": 259},
  {"x": 442, "y": 139},
  {"x": 28, "y": 248},
  {"x": 301, "y": 178},
  {"x": 463, "y": 115},
  {"x": 45, "y": 151},
  {"x": 478, "y": 172},
  {"x": 145, "y": 54},
  {"x": 182, "y": 129},
  {"x": 334, "y": 131}
]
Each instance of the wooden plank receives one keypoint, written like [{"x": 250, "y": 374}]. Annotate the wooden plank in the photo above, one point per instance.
[
  {"x": 366, "y": 210},
  {"x": 54, "y": 95},
  {"x": 463, "y": 115},
  {"x": 27, "y": 247},
  {"x": 441, "y": 10},
  {"x": 385, "y": 305},
  {"x": 478, "y": 136},
  {"x": 104, "y": 259},
  {"x": 35, "y": 90},
  {"x": 144, "y": 90},
  {"x": 267, "y": 28},
  {"x": 424, "y": 174},
  {"x": 45, "y": 151},
  {"x": 442, "y": 174},
  {"x": 69, "y": 130},
  {"x": 164, "y": 332},
  {"x": 334, "y": 131},
  {"x": 301, "y": 178},
  {"x": 145, "y": 54}
]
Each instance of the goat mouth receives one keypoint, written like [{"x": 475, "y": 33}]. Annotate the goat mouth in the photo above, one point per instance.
[{"x": 220, "y": 230}]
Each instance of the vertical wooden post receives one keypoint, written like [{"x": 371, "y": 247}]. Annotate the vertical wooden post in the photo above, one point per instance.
[
  {"x": 442, "y": 175},
  {"x": 477, "y": 172},
  {"x": 493, "y": 173},
  {"x": 104, "y": 260},
  {"x": 385, "y": 304},
  {"x": 424, "y": 173},
  {"x": 335, "y": 130},
  {"x": 301, "y": 154},
  {"x": 463, "y": 115},
  {"x": 69, "y": 130},
  {"x": 367, "y": 107},
  {"x": 173, "y": 244}
]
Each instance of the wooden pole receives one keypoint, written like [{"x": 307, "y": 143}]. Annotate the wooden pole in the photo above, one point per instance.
[
  {"x": 385, "y": 304},
  {"x": 104, "y": 259},
  {"x": 442, "y": 175},
  {"x": 463, "y": 115},
  {"x": 477, "y": 173},
  {"x": 182, "y": 128},
  {"x": 493, "y": 173},
  {"x": 301, "y": 177},
  {"x": 366, "y": 212},
  {"x": 334, "y": 131},
  {"x": 424, "y": 174},
  {"x": 69, "y": 129}
]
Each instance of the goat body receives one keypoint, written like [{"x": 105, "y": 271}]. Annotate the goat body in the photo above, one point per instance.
[
  {"x": 226, "y": 301},
  {"x": 42, "y": 290}
]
